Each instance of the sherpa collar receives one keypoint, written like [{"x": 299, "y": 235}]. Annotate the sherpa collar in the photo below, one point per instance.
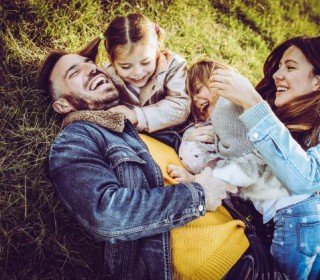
[{"x": 108, "y": 119}]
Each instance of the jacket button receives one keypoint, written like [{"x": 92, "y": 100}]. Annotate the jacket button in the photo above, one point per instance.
[
  {"x": 255, "y": 135},
  {"x": 200, "y": 208}
]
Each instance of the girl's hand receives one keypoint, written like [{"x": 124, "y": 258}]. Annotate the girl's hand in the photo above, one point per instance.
[
  {"x": 234, "y": 87},
  {"x": 179, "y": 173},
  {"x": 129, "y": 113},
  {"x": 201, "y": 133}
]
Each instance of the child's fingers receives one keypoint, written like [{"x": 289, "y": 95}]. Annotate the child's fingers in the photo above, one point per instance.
[
  {"x": 202, "y": 134},
  {"x": 232, "y": 189},
  {"x": 203, "y": 124},
  {"x": 172, "y": 167},
  {"x": 204, "y": 138},
  {"x": 173, "y": 171},
  {"x": 179, "y": 180},
  {"x": 175, "y": 174}
]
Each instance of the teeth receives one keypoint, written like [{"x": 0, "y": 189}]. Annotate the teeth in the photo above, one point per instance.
[
  {"x": 203, "y": 106},
  {"x": 96, "y": 82},
  {"x": 281, "y": 89},
  {"x": 137, "y": 79}
]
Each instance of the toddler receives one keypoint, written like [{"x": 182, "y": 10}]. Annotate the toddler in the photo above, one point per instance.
[{"x": 232, "y": 156}]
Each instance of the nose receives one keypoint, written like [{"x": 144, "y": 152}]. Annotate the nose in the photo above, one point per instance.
[
  {"x": 89, "y": 68},
  {"x": 278, "y": 75},
  {"x": 137, "y": 71}
]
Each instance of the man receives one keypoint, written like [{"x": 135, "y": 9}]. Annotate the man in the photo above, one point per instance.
[{"x": 107, "y": 179}]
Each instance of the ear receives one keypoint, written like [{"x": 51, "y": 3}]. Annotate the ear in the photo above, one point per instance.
[
  {"x": 316, "y": 85},
  {"x": 62, "y": 106}
]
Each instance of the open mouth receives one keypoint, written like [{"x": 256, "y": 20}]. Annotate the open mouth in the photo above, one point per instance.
[
  {"x": 138, "y": 80},
  {"x": 203, "y": 107},
  {"x": 281, "y": 89},
  {"x": 97, "y": 81}
]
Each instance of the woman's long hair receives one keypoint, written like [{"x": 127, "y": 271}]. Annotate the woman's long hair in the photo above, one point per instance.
[{"x": 302, "y": 115}]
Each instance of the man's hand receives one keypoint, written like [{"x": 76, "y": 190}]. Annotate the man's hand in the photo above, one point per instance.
[
  {"x": 129, "y": 113},
  {"x": 180, "y": 174},
  {"x": 202, "y": 133},
  {"x": 215, "y": 189}
]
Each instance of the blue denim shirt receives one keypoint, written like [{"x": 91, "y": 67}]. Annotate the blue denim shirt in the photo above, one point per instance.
[
  {"x": 112, "y": 186},
  {"x": 296, "y": 169}
]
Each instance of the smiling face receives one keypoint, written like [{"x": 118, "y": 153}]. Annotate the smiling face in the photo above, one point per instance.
[
  {"x": 137, "y": 66},
  {"x": 294, "y": 77},
  {"x": 204, "y": 99},
  {"x": 81, "y": 83}
]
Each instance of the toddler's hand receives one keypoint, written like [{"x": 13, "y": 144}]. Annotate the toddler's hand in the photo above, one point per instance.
[
  {"x": 179, "y": 173},
  {"x": 215, "y": 189},
  {"x": 201, "y": 134}
]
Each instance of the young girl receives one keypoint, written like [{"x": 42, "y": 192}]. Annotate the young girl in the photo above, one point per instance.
[
  {"x": 296, "y": 242},
  {"x": 151, "y": 80}
]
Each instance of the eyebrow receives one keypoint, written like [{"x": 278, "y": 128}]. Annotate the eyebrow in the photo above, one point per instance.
[
  {"x": 290, "y": 60},
  {"x": 74, "y": 66},
  {"x": 127, "y": 63}
]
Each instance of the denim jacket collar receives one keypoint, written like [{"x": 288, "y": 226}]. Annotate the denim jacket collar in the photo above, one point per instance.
[{"x": 108, "y": 119}]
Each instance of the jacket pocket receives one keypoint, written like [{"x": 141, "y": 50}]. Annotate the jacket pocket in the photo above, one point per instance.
[{"x": 128, "y": 166}]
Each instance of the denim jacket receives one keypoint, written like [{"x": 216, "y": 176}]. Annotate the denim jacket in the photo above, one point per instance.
[
  {"x": 112, "y": 186},
  {"x": 296, "y": 169}
]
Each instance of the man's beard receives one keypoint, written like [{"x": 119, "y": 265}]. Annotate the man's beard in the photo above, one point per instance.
[{"x": 80, "y": 104}]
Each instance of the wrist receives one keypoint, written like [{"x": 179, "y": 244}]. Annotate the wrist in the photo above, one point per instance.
[
  {"x": 134, "y": 119},
  {"x": 253, "y": 100}
]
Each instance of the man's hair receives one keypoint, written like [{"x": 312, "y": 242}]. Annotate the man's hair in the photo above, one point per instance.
[{"x": 46, "y": 70}]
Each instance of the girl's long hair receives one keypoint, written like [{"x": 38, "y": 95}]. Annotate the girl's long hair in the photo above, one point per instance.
[{"x": 302, "y": 115}]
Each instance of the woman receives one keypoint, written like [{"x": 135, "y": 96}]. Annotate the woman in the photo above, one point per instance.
[{"x": 287, "y": 137}]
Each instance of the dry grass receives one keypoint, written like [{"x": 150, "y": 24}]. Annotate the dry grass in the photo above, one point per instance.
[{"x": 38, "y": 238}]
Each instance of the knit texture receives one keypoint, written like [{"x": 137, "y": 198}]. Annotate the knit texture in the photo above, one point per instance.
[
  {"x": 232, "y": 141},
  {"x": 207, "y": 247}
]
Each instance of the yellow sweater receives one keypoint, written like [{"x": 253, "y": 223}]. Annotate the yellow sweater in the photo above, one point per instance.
[{"x": 207, "y": 247}]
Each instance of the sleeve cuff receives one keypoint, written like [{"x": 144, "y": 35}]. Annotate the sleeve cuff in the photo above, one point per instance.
[
  {"x": 198, "y": 194},
  {"x": 255, "y": 114},
  {"x": 142, "y": 124}
]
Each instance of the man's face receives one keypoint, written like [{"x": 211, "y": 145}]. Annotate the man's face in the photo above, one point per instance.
[{"x": 83, "y": 84}]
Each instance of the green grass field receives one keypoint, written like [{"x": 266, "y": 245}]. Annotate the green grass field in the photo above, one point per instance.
[{"x": 38, "y": 238}]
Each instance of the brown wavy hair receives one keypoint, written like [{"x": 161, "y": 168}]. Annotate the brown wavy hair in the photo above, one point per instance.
[
  {"x": 122, "y": 34},
  {"x": 201, "y": 71},
  {"x": 302, "y": 115}
]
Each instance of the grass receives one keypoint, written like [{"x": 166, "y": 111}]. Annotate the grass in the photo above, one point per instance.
[{"x": 38, "y": 238}]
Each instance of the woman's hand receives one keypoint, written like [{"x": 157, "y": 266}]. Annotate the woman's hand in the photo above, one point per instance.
[
  {"x": 129, "y": 113},
  {"x": 180, "y": 174},
  {"x": 202, "y": 133},
  {"x": 234, "y": 87}
]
